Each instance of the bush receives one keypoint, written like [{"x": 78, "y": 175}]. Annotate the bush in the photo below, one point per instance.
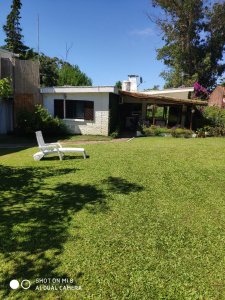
[
  {"x": 155, "y": 130},
  {"x": 5, "y": 88},
  {"x": 29, "y": 122},
  {"x": 215, "y": 116},
  {"x": 114, "y": 134},
  {"x": 181, "y": 132},
  {"x": 211, "y": 131}
]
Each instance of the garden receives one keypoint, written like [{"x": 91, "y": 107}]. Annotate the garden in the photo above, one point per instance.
[{"x": 137, "y": 220}]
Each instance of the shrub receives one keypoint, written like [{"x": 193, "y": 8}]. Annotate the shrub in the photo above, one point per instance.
[
  {"x": 211, "y": 131},
  {"x": 5, "y": 88},
  {"x": 181, "y": 132},
  {"x": 215, "y": 116},
  {"x": 201, "y": 132},
  {"x": 155, "y": 130},
  {"x": 114, "y": 134},
  {"x": 29, "y": 122}
]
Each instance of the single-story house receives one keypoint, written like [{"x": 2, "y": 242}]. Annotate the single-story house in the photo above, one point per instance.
[
  {"x": 100, "y": 110},
  {"x": 85, "y": 110}
]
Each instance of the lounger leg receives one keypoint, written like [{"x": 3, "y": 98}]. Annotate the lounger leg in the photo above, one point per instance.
[
  {"x": 60, "y": 155},
  {"x": 84, "y": 155}
]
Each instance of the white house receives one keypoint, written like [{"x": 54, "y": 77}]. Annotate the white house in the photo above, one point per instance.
[
  {"x": 85, "y": 110},
  {"x": 100, "y": 110}
]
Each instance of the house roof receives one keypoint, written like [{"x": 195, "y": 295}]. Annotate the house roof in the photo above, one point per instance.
[
  {"x": 169, "y": 91},
  {"x": 79, "y": 89},
  {"x": 158, "y": 99}
]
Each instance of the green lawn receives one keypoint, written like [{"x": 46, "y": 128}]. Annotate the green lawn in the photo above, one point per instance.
[{"x": 137, "y": 220}]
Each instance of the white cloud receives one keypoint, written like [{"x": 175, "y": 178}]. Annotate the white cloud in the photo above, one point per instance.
[{"x": 142, "y": 32}]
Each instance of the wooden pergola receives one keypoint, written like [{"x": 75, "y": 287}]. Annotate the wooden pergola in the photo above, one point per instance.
[{"x": 157, "y": 100}]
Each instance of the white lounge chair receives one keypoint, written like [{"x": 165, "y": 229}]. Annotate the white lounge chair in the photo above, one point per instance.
[{"x": 51, "y": 148}]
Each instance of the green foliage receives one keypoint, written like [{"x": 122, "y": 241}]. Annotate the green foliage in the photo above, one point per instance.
[
  {"x": 56, "y": 72},
  {"x": 13, "y": 30},
  {"x": 29, "y": 122},
  {"x": 154, "y": 88},
  {"x": 163, "y": 131},
  {"x": 214, "y": 131},
  {"x": 5, "y": 88},
  {"x": 119, "y": 85},
  {"x": 114, "y": 134},
  {"x": 193, "y": 32},
  {"x": 49, "y": 69},
  {"x": 72, "y": 75},
  {"x": 155, "y": 130},
  {"x": 215, "y": 116},
  {"x": 181, "y": 132}
]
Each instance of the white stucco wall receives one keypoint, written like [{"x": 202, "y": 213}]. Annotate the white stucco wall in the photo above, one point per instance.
[{"x": 100, "y": 124}]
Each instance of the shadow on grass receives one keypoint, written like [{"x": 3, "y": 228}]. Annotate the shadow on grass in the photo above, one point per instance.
[
  {"x": 121, "y": 186},
  {"x": 66, "y": 157},
  {"x": 35, "y": 216},
  {"x": 9, "y": 150}
]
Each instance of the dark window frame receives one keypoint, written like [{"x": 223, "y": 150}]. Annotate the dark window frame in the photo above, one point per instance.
[
  {"x": 57, "y": 103},
  {"x": 70, "y": 109}
]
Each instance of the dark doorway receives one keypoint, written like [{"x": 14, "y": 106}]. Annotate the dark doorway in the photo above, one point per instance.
[{"x": 130, "y": 114}]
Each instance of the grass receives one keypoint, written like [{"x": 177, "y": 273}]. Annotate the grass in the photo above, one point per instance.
[{"x": 137, "y": 220}]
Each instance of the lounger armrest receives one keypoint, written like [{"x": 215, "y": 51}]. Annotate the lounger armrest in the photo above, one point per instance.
[
  {"x": 58, "y": 145},
  {"x": 46, "y": 147}
]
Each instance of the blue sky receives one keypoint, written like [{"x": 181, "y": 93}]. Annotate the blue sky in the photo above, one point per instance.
[{"x": 110, "y": 39}]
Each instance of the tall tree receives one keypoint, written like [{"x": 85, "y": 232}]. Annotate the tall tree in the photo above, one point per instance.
[
  {"x": 13, "y": 30},
  {"x": 193, "y": 32},
  {"x": 72, "y": 75},
  {"x": 49, "y": 70}
]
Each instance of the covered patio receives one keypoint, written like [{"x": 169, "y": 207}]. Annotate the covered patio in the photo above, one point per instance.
[{"x": 157, "y": 110}]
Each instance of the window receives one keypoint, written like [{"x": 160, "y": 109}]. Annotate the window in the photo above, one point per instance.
[
  {"x": 74, "y": 109},
  {"x": 89, "y": 110},
  {"x": 59, "y": 109}
]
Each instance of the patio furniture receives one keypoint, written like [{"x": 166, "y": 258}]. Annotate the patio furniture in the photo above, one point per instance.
[{"x": 51, "y": 148}]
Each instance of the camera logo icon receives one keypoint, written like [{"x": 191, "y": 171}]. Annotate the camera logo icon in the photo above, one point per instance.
[{"x": 25, "y": 284}]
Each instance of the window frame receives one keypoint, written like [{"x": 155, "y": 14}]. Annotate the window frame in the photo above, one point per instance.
[{"x": 87, "y": 104}]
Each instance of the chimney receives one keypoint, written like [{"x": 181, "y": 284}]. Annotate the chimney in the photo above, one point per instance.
[{"x": 130, "y": 85}]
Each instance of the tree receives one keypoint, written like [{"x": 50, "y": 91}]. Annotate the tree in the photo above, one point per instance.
[
  {"x": 13, "y": 30},
  {"x": 71, "y": 75},
  {"x": 49, "y": 70},
  {"x": 154, "y": 88},
  {"x": 194, "y": 41},
  {"x": 118, "y": 84}
]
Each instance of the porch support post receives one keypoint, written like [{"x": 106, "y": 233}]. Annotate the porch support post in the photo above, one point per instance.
[
  {"x": 143, "y": 110},
  {"x": 153, "y": 114},
  {"x": 183, "y": 116},
  {"x": 191, "y": 120},
  {"x": 167, "y": 116}
]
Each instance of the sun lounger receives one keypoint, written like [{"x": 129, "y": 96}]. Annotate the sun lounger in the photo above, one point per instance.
[{"x": 51, "y": 148}]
